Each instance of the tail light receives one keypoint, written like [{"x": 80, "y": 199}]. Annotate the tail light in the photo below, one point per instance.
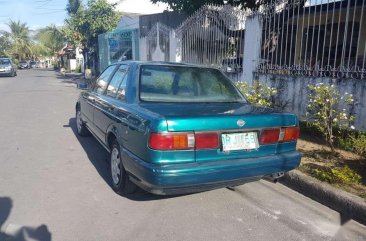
[
  {"x": 207, "y": 140},
  {"x": 290, "y": 134},
  {"x": 285, "y": 134},
  {"x": 270, "y": 136},
  {"x": 171, "y": 141},
  {"x": 183, "y": 141}
]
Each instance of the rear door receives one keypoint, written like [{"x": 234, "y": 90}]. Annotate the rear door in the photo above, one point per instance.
[
  {"x": 106, "y": 111},
  {"x": 89, "y": 98}
]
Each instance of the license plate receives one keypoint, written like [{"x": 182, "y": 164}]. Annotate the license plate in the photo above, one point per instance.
[{"x": 239, "y": 141}]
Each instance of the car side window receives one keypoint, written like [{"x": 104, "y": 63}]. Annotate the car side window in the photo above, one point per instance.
[
  {"x": 116, "y": 81},
  {"x": 121, "y": 93},
  {"x": 102, "y": 81}
]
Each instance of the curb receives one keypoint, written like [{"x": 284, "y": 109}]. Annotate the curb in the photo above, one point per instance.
[{"x": 348, "y": 205}]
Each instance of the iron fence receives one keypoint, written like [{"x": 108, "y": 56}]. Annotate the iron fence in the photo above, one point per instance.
[
  {"x": 318, "y": 38},
  {"x": 214, "y": 36}
]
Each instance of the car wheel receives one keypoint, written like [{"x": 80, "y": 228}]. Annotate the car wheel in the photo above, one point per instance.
[
  {"x": 13, "y": 74},
  {"x": 80, "y": 124},
  {"x": 121, "y": 183}
]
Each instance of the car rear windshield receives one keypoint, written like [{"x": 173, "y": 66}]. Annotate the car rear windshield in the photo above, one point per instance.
[
  {"x": 160, "y": 83},
  {"x": 4, "y": 61}
]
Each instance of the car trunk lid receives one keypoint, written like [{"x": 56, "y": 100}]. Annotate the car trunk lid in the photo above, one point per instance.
[{"x": 230, "y": 121}]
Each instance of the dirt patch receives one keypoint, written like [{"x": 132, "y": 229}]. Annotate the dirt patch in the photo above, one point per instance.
[{"x": 317, "y": 156}]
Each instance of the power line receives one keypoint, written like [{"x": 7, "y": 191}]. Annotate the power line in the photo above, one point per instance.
[{"x": 51, "y": 12}]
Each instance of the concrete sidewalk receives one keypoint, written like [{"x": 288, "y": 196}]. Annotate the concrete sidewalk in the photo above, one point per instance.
[{"x": 348, "y": 205}]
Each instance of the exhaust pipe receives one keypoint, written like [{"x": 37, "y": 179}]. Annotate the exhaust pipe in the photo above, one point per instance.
[{"x": 274, "y": 177}]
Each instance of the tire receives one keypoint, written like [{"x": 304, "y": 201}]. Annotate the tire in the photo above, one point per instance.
[
  {"x": 13, "y": 74},
  {"x": 121, "y": 183},
  {"x": 80, "y": 124}
]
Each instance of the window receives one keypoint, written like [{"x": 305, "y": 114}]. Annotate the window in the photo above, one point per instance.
[
  {"x": 4, "y": 61},
  {"x": 102, "y": 81},
  {"x": 186, "y": 84},
  {"x": 116, "y": 81},
  {"x": 121, "y": 93}
]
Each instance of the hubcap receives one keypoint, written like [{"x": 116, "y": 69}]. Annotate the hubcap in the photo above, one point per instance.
[
  {"x": 115, "y": 166},
  {"x": 78, "y": 120}
]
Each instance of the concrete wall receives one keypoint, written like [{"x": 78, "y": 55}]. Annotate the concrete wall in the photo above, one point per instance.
[{"x": 293, "y": 94}]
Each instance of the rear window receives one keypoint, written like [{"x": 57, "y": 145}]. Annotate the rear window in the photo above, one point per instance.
[
  {"x": 159, "y": 83},
  {"x": 4, "y": 61}
]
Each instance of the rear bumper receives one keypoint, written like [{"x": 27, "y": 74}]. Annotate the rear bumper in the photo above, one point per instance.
[{"x": 195, "y": 177}]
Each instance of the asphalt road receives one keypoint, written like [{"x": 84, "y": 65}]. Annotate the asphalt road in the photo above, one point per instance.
[{"x": 55, "y": 185}]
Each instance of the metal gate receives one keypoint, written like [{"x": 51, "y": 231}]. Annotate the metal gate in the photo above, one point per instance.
[
  {"x": 214, "y": 36},
  {"x": 157, "y": 41}
]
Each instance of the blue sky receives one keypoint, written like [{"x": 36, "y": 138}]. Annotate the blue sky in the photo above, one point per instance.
[
  {"x": 40, "y": 13},
  {"x": 36, "y": 13}
]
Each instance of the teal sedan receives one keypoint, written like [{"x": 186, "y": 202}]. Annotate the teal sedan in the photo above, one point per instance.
[{"x": 175, "y": 128}]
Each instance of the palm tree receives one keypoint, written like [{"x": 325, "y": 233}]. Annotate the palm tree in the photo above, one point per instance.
[
  {"x": 5, "y": 44},
  {"x": 51, "y": 38},
  {"x": 20, "y": 38}
]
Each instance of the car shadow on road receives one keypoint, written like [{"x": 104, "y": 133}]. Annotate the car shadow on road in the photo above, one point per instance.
[
  {"x": 99, "y": 157},
  {"x": 19, "y": 233}
]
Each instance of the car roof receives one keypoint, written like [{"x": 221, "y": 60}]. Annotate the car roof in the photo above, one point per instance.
[{"x": 162, "y": 63}]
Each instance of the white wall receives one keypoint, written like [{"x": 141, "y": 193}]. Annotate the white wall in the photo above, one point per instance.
[
  {"x": 294, "y": 92},
  {"x": 252, "y": 46}
]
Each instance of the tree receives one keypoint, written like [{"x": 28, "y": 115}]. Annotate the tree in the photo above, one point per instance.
[
  {"x": 19, "y": 36},
  {"x": 50, "y": 40},
  {"x": 73, "y": 6},
  {"x": 5, "y": 44},
  {"x": 190, "y": 6},
  {"x": 83, "y": 26}
]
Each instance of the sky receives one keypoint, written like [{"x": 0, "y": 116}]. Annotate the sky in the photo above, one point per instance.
[{"x": 41, "y": 13}]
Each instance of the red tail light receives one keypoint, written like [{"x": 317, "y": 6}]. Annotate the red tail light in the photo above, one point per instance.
[
  {"x": 290, "y": 134},
  {"x": 207, "y": 140},
  {"x": 171, "y": 141},
  {"x": 270, "y": 136},
  {"x": 183, "y": 141},
  {"x": 285, "y": 134}
]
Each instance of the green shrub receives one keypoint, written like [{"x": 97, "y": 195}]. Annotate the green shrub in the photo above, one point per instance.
[
  {"x": 78, "y": 69},
  {"x": 346, "y": 175},
  {"x": 15, "y": 61},
  {"x": 359, "y": 144},
  {"x": 323, "y": 175},
  {"x": 341, "y": 175},
  {"x": 352, "y": 140},
  {"x": 324, "y": 111},
  {"x": 258, "y": 93}
]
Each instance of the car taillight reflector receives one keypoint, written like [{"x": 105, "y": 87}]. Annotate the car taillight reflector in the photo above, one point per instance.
[
  {"x": 171, "y": 141},
  {"x": 290, "y": 134},
  {"x": 207, "y": 140},
  {"x": 270, "y": 136}
]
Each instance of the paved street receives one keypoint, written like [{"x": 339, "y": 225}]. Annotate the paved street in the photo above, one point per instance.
[{"x": 51, "y": 177}]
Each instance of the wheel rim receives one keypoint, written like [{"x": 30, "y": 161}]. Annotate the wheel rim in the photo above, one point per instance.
[
  {"x": 115, "y": 166},
  {"x": 78, "y": 120}
]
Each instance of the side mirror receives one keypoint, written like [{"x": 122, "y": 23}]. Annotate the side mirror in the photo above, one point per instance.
[{"x": 82, "y": 86}]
